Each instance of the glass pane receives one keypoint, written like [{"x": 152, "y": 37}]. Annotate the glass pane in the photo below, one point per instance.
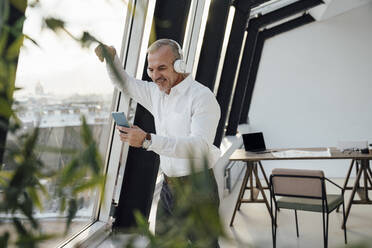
[{"x": 61, "y": 81}]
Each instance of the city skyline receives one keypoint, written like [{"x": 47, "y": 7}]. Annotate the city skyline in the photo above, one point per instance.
[{"x": 61, "y": 65}]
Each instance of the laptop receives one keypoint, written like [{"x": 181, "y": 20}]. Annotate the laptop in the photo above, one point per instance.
[{"x": 254, "y": 142}]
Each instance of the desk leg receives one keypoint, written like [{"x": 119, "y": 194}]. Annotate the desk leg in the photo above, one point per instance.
[
  {"x": 347, "y": 178},
  {"x": 357, "y": 170},
  {"x": 356, "y": 184},
  {"x": 248, "y": 172},
  {"x": 252, "y": 166},
  {"x": 366, "y": 179},
  {"x": 251, "y": 171},
  {"x": 242, "y": 190},
  {"x": 264, "y": 174},
  {"x": 253, "y": 190},
  {"x": 262, "y": 193},
  {"x": 370, "y": 173},
  {"x": 348, "y": 173}
]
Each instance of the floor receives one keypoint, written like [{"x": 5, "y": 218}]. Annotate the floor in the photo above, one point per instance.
[{"x": 252, "y": 227}]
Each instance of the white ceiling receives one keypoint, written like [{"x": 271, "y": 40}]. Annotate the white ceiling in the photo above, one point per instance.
[{"x": 332, "y": 8}]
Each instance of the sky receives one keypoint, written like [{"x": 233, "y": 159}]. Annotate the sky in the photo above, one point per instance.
[{"x": 60, "y": 64}]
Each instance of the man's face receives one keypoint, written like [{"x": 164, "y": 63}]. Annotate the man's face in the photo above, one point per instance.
[{"x": 160, "y": 69}]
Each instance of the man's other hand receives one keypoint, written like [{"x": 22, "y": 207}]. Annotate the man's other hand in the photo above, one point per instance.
[
  {"x": 133, "y": 135},
  {"x": 100, "y": 54}
]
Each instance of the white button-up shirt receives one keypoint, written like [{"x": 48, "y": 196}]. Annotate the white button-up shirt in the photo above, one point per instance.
[{"x": 185, "y": 121}]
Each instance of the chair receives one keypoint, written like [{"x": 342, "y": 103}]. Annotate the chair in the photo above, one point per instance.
[{"x": 303, "y": 190}]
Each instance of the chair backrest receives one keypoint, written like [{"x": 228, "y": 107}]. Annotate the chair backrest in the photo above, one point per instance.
[{"x": 294, "y": 182}]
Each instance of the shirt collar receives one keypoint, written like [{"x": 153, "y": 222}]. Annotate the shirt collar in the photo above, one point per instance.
[{"x": 182, "y": 86}]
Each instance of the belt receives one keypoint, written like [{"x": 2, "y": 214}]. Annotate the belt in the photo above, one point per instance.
[{"x": 184, "y": 179}]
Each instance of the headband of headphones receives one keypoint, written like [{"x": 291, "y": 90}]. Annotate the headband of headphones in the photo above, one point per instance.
[{"x": 179, "y": 49}]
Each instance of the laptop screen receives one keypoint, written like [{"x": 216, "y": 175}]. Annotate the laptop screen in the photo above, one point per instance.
[{"x": 254, "y": 142}]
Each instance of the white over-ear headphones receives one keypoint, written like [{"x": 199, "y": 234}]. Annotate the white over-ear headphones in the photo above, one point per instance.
[{"x": 179, "y": 65}]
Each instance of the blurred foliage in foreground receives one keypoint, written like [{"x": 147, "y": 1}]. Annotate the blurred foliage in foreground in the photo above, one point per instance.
[
  {"x": 22, "y": 188},
  {"x": 22, "y": 185}
]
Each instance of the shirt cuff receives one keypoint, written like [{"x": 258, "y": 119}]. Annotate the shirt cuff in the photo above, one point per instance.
[{"x": 153, "y": 142}]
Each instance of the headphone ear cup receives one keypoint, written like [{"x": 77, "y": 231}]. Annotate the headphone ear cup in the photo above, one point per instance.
[{"x": 179, "y": 66}]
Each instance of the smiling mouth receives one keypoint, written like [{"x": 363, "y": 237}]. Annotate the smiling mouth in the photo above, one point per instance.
[{"x": 160, "y": 80}]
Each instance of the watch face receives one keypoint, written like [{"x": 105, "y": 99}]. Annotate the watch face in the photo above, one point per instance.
[{"x": 146, "y": 143}]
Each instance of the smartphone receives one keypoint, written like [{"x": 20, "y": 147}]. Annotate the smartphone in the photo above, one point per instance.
[{"x": 120, "y": 119}]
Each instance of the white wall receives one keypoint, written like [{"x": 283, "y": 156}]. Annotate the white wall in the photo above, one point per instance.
[{"x": 314, "y": 87}]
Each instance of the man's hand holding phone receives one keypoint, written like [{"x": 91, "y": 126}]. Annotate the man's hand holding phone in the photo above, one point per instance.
[{"x": 133, "y": 135}]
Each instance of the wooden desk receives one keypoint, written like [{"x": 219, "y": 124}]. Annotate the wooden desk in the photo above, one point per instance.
[{"x": 253, "y": 160}]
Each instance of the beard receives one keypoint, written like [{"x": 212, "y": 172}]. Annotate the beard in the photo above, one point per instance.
[{"x": 163, "y": 84}]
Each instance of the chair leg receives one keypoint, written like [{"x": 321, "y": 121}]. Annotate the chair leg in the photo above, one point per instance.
[
  {"x": 275, "y": 227},
  {"x": 327, "y": 224},
  {"x": 273, "y": 230},
  {"x": 273, "y": 224},
  {"x": 296, "y": 223},
  {"x": 343, "y": 212},
  {"x": 272, "y": 218},
  {"x": 324, "y": 230}
]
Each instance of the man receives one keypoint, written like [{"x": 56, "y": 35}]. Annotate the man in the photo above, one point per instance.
[{"x": 186, "y": 115}]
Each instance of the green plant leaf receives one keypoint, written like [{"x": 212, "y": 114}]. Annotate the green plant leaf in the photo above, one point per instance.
[
  {"x": 30, "y": 143},
  {"x": 3, "y": 40},
  {"x": 71, "y": 172},
  {"x": 5, "y": 108},
  {"x": 35, "y": 197},
  {"x": 18, "y": 26},
  {"x": 4, "y": 239},
  {"x": 21, "y": 5},
  {"x": 54, "y": 24},
  {"x": 13, "y": 50},
  {"x": 5, "y": 11},
  {"x": 86, "y": 135},
  {"x": 63, "y": 204},
  {"x": 90, "y": 184},
  {"x": 11, "y": 85},
  {"x": 42, "y": 188},
  {"x": 51, "y": 149},
  {"x": 5, "y": 176},
  {"x": 19, "y": 226},
  {"x": 87, "y": 39},
  {"x": 32, "y": 40},
  {"x": 27, "y": 207},
  {"x": 92, "y": 158},
  {"x": 72, "y": 209}
]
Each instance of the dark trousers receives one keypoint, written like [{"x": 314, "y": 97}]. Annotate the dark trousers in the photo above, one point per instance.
[{"x": 166, "y": 217}]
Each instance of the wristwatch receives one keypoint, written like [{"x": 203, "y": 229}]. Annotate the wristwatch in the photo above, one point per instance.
[{"x": 147, "y": 141}]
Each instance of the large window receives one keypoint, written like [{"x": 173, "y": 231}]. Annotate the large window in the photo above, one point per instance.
[{"x": 61, "y": 81}]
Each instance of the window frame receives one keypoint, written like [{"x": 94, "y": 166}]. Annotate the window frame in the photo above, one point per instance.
[{"x": 134, "y": 45}]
